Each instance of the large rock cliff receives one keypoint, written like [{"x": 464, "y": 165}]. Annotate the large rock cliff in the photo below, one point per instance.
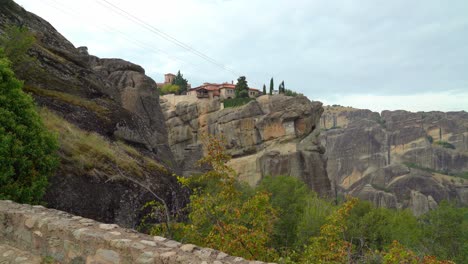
[
  {"x": 111, "y": 97},
  {"x": 397, "y": 158},
  {"x": 274, "y": 135}
]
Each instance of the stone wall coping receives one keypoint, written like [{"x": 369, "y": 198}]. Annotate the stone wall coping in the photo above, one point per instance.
[{"x": 74, "y": 239}]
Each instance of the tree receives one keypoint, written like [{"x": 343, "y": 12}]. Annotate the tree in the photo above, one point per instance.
[
  {"x": 329, "y": 246},
  {"x": 181, "y": 83},
  {"x": 27, "y": 149},
  {"x": 170, "y": 89},
  {"x": 16, "y": 42},
  {"x": 281, "y": 88},
  {"x": 271, "y": 86},
  {"x": 224, "y": 214},
  {"x": 445, "y": 232},
  {"x": 242, "y": 88},
  {"x": 264, "y": 89}
]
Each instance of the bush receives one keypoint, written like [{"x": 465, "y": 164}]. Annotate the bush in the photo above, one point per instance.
[
  {"x": 236, "y": 102},
  {"x": 430, "y": 139},
  {"x": 16, "y": 42},
  {"x": 445, "y": 144},
  {"x": 170, "y": 89},
  {"x": 27, "y": 149}
]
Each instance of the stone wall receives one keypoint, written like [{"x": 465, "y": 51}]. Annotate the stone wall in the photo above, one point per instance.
[{"x": 31, "y": 234}]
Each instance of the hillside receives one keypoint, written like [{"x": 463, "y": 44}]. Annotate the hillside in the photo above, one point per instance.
[
  {"x": 397, "y": 158},
  {"x": 109, "y": 122}
]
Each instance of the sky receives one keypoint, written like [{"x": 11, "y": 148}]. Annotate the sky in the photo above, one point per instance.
[{"x": 373, "y": 54}]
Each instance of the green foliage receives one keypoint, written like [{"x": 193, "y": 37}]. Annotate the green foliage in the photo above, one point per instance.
[
  {"x": 329, "y": 246},
  {"x": 290, "y": 197},
  {"x": 242, "y": 88},
  {"x": 445, "y": 144},
  {"x": 170, "y": 89},
  {"x": 223, "y": 214},
  {"x": 281, "y": 88},
  {"x": 236, "y": 102},
  {"x": 16, "y": 42},
  {"x": 445, "y": 232},
  {"x": 430, "y": 139},
  {"x": 181, "y": 83},
  {"x": 271, "y": 86},
  {"x": 290, "y": 93},
  {"x": 27, "y": 149},
  {"x": 264, "y": 89},
  {"x": 376, "y": 228}
]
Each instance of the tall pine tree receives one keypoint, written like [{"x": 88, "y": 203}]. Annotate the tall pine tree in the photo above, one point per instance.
[{"x": 264, "y": 89}]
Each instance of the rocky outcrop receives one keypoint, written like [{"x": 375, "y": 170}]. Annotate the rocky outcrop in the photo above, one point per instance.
[
  {"x": 34, "y": 234},
  {"x": 397, "y": 158},
  {"x": 111, "y": 97},
  {"x": 274, "y": 135}
]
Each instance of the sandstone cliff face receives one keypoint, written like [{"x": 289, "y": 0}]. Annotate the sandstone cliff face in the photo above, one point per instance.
[
  {"x": 274, "y": 135},
  {"x": 398, "y": 158},
  {"x": 111, "y": 97}
]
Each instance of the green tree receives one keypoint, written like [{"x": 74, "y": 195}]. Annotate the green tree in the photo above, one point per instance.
[
  {"x": 289, "y": 196},
  {"x": 376, "y": 228},
  {"x": 16, "y": 42},
  {"x": 27, "y": 151},
  {"x": 271, "y": 86},
  {"x": 180, "y": 82},
  {"x": 224, "y": 214},
  {"x": 329, "y": 246},
  {"x": 264, "y": 89},
  {"x": 445, "y": 232},
  {"x": 242, "y": 88}
]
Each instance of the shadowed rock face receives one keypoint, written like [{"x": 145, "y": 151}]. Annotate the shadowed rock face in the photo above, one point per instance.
[
  {"x": 395, "y": 159},
  {"x": 274, "y": 135},
  {"x": 111, "y": 97}
]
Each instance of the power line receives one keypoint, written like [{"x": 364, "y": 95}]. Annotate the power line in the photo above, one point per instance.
[
  {"x": 127, "y": 37},
  {"x": 163, "y": 35}
]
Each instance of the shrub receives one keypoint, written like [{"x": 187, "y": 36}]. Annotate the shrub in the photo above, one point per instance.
[
  {"x": 236, "y": 102},
  {"x": 430, "y": 139},
  {"x": 170, "y": 89},
  {"x": 16, "y": 42},
  {"x": 27, "y": 149},
  {"x": 445, "y": 144}
]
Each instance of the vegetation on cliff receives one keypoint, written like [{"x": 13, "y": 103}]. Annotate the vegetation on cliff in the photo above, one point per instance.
[
  {"x": 282, "y": 220},
  {"x": 27, "y": 149}
]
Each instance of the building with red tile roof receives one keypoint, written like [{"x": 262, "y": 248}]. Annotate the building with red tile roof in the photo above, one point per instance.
[{"x": 222, "y": 91}]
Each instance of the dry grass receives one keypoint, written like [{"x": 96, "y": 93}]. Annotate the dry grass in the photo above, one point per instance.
[
  {"x": 68, "y": 98},
  {"x": 92, "y": 154}
]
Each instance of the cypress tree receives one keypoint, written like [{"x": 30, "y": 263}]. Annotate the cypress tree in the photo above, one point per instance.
[
  {"x": 271, "y": 86},
  {"x": 264, "y": 89}
]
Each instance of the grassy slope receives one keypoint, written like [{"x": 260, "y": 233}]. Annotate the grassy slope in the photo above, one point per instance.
[{"x": 88, "y": 153}]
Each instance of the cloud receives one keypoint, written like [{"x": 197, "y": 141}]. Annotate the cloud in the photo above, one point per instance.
[{"x": 324, "y": 49}]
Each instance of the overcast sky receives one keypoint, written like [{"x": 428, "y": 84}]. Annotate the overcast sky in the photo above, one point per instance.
[{"x": 371, "y": 54}]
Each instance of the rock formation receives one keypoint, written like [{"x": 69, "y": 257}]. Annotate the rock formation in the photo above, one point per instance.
[
  {"x": 274, "y": 135},
  {"x": 111, "y": 97},
  {"x": 397, "y": 158}
]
